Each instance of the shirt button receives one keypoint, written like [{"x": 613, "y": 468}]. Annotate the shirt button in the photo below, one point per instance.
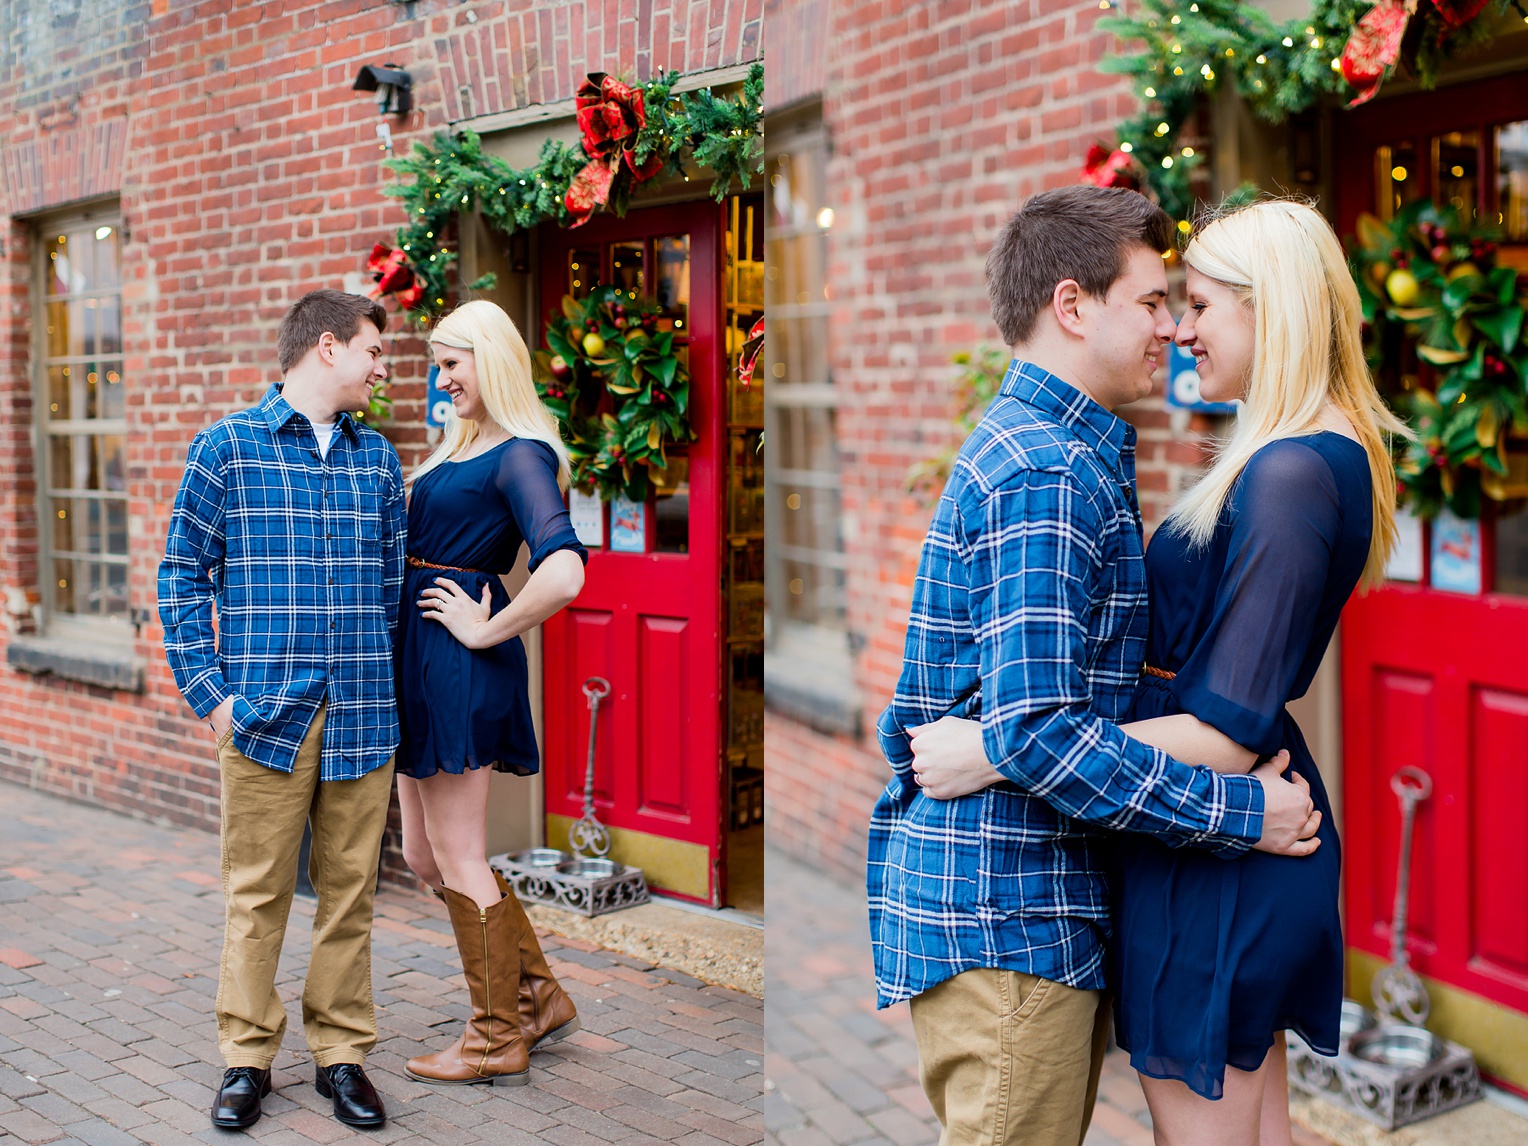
[
  {"x": 331, "y": 624},
  {"x": 331, "y": 580}
]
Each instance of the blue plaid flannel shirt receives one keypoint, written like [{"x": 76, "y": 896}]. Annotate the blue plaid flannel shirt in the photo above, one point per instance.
[
  {"x": 304, "y": 556},
  {"x": 1029, "y": 610}
]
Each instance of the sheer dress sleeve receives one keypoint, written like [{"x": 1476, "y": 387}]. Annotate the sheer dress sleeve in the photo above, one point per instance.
[
  {"x": 1285, "y": 516},
  {"x": 527, "y": 481}
]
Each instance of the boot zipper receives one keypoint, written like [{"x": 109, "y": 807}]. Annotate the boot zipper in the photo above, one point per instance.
[{"x": 487, "y": 990}]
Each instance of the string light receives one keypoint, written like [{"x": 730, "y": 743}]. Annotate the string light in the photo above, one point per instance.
[
  {"x": 1187, "y": 152},
  {"x": 1151, "y": 93},
  {"x": 1167, "y": 161},
  {"x": 1127, "y": 147}
]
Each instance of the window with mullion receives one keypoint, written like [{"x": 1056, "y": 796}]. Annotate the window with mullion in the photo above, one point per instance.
[{"x": 82, "y": 423}]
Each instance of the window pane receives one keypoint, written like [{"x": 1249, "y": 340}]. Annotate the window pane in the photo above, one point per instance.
[
  {"x": 1396, "y": 180},
  {"x": 672, "y": 275},
  {"x": 69, "y": 394},
  {"x": 107, "y": 239},
  {"x": 1512, "y": 178},
  {"x": 108, "y": 325},
  {"x": 626, "y": 270},
  {"x": 116, "y": 592},
  {"x": 57, "y": 342},
  {"x": 62, "y": 451},
  {"x": 1456, "y": 164},
  {"x": 115, "y": 513},
  {"x": 111, "y": 394},
  {"x": 583, "y": 271},
  {"x": 110, "y": 469},
  {"x": 63, "y": 585},
  {"x": 671, "y": 506}
]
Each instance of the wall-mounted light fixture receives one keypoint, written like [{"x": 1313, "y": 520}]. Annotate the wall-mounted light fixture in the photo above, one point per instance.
[{"x": 392, "y": 85}]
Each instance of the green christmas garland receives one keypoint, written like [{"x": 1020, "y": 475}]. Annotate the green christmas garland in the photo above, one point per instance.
[
  {"x": 1428, "y": 276},
  {"x": 454, "y": 175},
  {"x": 1188, "y": 51},
  {"x": 610, "y": 343}
]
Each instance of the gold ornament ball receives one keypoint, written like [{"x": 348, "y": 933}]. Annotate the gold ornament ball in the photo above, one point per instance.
[{"x": 1402, "y": 287}]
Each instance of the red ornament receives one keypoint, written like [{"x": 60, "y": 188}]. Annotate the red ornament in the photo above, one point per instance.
[
  {"x": 391, "y": 274},
  {"x": 1457, "y": 14},
  {"x": 1374, "y": 46},
  {"x": 610, "y": 117},
  {"x": 748, "y": 360},
  {"x": 1106, "y": 168}
]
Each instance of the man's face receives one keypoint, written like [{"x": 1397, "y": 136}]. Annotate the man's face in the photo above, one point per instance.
[
  {"x": 358, "y": 368},
  {"x": 1127, "y": 331}
]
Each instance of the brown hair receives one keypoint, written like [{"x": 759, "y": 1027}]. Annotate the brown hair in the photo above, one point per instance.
[
  {"x": 339, "y": 313},
  {"x": 1083, "y": 233}
]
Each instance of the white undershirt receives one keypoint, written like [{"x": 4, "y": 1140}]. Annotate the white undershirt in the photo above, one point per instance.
[{"x": 325, "y": 432}]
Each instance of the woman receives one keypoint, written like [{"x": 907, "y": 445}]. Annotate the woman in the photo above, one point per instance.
[
  {"x": 1213, "y": 959},
  {"x": 464, "y": 707}
]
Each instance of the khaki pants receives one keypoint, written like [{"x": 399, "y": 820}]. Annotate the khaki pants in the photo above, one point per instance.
[
  {"x": 1010, "y": 1059},
  {"x": 263, "y": 816}
]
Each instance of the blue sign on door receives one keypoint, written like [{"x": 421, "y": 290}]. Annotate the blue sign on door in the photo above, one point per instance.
[
  {"x": 1183, "y": 385},
  {"x": 437, "y": 408}
]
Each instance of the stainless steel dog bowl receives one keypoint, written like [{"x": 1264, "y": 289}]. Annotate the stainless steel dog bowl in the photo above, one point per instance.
[
  {"x": 1356, "y": 1017},
  {"x": 541, "y": 857},
  {"x": 590, "y": 868},
  {"x": 1398, "y": 1046}
]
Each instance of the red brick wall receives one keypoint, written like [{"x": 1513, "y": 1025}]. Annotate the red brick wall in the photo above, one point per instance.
[
  {"x": 249, "y": 174},
  {"x": 943, "y": 117}
]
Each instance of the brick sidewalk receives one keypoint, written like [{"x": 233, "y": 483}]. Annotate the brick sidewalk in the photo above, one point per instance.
[
  {"x": 839, "y": 1072},
  {"x": 110, "y": 932}
]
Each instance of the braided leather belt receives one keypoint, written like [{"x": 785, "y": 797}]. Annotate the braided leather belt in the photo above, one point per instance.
[{"x": 418, "y": 564}]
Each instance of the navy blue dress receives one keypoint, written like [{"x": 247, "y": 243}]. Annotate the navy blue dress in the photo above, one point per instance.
[
  {"x": 1212, "y": 956},
  {"x": 461, "y": 708}
]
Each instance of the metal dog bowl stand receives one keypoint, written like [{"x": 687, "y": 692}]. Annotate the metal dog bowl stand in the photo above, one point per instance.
[
  {"x": 577, "y": 881},
  {"x": 573, "y": 883},
  {"x": 1390, "y": 1073}
]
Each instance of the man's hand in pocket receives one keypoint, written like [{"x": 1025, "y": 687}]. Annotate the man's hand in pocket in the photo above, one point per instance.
[{"x": 221, "y": 719}]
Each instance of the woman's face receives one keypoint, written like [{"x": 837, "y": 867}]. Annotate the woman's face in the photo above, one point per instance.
[
  {"x": 1218, "y": 330},
  {"x": 458, "y": 378}
]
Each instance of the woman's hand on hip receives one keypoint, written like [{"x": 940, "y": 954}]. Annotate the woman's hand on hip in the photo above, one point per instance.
[
  {"x": 949, "y": 759},
  {"x": 466, "y": 619}
]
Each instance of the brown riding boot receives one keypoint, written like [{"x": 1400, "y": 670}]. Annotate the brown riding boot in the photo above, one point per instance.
[
  {"x": 490, "y": 1049},
  {"x": 546, "y": 1012}
]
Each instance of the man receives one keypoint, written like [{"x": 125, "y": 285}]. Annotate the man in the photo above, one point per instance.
[
  {"x": 290, "y": 517},
  {"x": 989, "y": 910}
]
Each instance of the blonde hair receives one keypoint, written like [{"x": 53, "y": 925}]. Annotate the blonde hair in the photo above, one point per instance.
[
  {"x": 1283, "y": 260},
  {"x": 504, "y": 385}
]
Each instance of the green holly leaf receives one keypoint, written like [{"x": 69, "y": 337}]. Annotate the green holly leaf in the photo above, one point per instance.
[{"x": 1503, "y": 326}]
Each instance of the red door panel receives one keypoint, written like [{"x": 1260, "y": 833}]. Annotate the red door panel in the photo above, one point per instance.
[
  {"x": 650, "y": 623},
  {"x": 1499, "y": 858},
  {"x": 664, "y": 671},
  {"x": 1428, "y": 680}
]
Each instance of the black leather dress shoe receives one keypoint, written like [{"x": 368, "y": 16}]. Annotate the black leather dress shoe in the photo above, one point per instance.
[
  {"x": 237, "y": 1104},
  {"x": 356, "y": 1101}
]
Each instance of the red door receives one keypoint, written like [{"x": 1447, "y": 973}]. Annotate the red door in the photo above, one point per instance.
[
  {"x": 1438, "y": 680},
  {"x": 650, "y": 622}
]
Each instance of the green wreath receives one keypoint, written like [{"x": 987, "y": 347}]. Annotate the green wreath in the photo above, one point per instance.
[
  {"x": 618, "y": 388},
  {"x": 1430, "y": 276}
]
